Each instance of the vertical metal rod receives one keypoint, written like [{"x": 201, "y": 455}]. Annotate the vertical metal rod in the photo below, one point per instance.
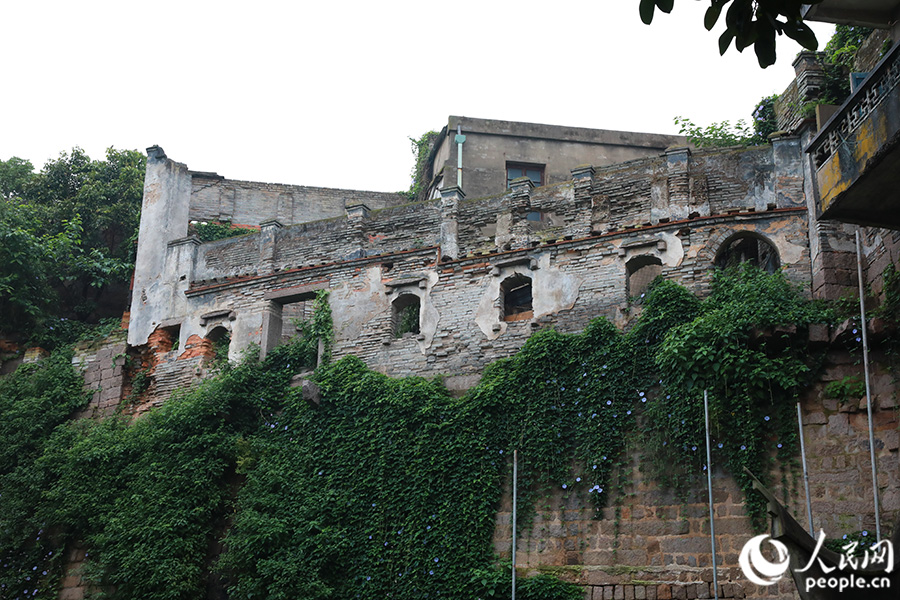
[
  {"x": 459, "y": 145},
  {"x": 515, "y": 485},
  {"x": 805, "y": 473},
  {"x": 865, "y": 347},
  {"x": 712, "y": 524}
]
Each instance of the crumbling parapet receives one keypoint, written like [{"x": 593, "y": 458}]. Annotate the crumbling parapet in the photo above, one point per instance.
[
  {"x": 450, "y": 199},
  {"x": 164, "y": 219},
  {"x": 268, "y": 232}
]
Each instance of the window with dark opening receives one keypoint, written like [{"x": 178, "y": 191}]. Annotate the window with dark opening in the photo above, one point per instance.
[
  {"x": 641, "y": 270},
  {"x": 533, "y": 172},
  {"x": 405, "y": 315},
  {"x": 515, "y": 293},
  {"x": 173, "y": 336},
  {"x": 748, "y": 248},
  {"x": 221, "y": 339}
]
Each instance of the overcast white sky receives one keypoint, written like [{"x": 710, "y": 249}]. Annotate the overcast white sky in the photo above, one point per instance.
[{"x": 327, "y": 93}]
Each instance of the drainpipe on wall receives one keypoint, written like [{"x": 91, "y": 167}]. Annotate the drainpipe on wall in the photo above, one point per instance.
[{"x": 460, "y": 140}]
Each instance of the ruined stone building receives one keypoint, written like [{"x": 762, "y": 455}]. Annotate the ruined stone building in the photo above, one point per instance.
[
  {"x": 569, "y": 251},
  {"x": 550, "y": 227}
]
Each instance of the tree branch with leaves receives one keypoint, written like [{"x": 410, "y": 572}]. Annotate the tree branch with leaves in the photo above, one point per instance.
[{"x": 749, "y": 23}]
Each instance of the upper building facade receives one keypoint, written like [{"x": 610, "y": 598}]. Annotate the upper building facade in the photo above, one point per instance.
[
  {"x": 482, "y": 156},
  {"x": 448, "y": 285}
]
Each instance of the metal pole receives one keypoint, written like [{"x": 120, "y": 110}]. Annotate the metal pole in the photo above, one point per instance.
[
  {"x": 865, "y": 346},
  {"x": 460, "y": 140},
  {"x": 712, "y": 524},
  {"x": 515, "y": 481},
  {"x": 805, "y": 474}
]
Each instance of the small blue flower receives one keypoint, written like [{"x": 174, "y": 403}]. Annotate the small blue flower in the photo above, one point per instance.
[
  {"x": 436, "y": 560},
  {"x": 766, "y": 417},
  {"x": 595, "y": 466},
  {"x": 694, "y": 448},
  {"x": 577, "y": 479},
  {"x": 720, "y": 444},
  {"x": 609, "y": 402},
  {"x": 628, "y": 413},
  {"x": 743, "y": 447},
  {"x": 779, "y": 445},
  {"x": 865, "y": 533},
  {"x": 641, "y": 394}
]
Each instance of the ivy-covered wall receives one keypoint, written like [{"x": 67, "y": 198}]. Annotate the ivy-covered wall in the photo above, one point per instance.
[{"x": 382, "y": 487}]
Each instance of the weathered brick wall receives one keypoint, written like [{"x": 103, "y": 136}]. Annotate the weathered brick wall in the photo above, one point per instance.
[
  {"x": 881, "y": 248},
  {"x": 214, "y": 198},
  {"x": 103, "y": 364},
  {"x": 662, "y": 547}
]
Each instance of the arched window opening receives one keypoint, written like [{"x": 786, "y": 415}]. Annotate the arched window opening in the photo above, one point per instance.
[
  {"x": 405, "y": 315},
  {"x": 748, "y": 248},
  {"x": 515, "y": 294},
  {"x": 221, "y": 339},
  {"x": 641, "y": 271}
]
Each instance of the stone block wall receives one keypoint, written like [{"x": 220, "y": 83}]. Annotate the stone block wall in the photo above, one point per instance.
[
  {"x": 659, "y": 544},
  {"x": 103, "y": 365}
]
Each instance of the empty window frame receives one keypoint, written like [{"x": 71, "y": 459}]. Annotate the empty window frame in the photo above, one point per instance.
[
  {"x": 405, "y": 315},
  {"x": 641, "y": 271},
  {"x": 534, "y": 172},
  {"x": 748, "y": 248},
  {"x": 221, "y": 339},
  {"x": 516, "y": 298}
]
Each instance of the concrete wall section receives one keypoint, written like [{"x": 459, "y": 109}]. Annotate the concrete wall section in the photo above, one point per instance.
[
  {"x": 490, "y": 144},
  {"x": 214, "y": 198},
  {"x": 164, "y": 219}
]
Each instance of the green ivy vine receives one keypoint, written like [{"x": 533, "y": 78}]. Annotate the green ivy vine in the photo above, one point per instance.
[{"x": 387, "y": 488}]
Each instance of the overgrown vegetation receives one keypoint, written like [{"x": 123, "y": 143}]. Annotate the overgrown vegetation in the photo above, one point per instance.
[
  {"x": 753, "y": 374},
  {"x": 841, "y": 49},
  {"x": 66, "y": 240},
  {"x": 725, "y": 133},
  {"x": 388, "y": 487},
  {"x": 217, "y": 230},
  {"x": 421, "y": 148}
]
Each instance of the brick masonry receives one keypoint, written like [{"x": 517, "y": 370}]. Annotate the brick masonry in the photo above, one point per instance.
[{"x": 574, "y": 240}]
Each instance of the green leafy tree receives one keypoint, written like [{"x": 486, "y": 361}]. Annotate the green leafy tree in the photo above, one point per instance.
[
  {"x": 749, "y": 22},
  {"x": 841, "y": 49},
  {"x": 67, "y": 239},
  {"x": 717, "y": 135}
]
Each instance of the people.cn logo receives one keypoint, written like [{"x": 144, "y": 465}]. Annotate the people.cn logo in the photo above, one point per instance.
[{"x": 756, "y": 567}]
